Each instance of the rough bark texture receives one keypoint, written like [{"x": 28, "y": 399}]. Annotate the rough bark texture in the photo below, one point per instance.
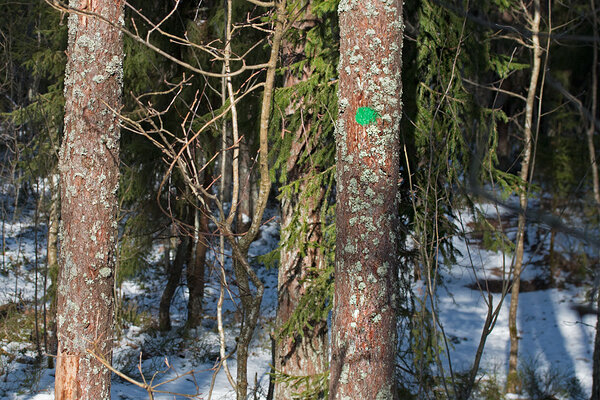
[
  {"x": 306, "y": 354},
  {"x": 512, "y": 381},
  {"x": 89, "y": 175},
  {"x": 366, "y": 275}
]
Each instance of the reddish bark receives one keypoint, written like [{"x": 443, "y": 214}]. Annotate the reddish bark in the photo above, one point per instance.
[
  {"x": 364, "y": 314},
  {"x": 89, "y": 171},
  {"x": 304, "y": 353}
]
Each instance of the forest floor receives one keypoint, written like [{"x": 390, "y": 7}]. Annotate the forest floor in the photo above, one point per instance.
[{"x": 556, "y": 341}]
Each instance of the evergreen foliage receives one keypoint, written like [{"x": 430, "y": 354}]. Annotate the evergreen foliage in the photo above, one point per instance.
[{"x": 319, "y": 105}]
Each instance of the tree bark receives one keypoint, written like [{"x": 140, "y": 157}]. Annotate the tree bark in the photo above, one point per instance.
[
  {"x": 195, "y": 272},
  {"x": 245, "y": 200},
  {"x": 367, "y": 141},
  {"x": 305, "y": 353},
  {"x": 89, "y": 176},
  {"x": 513, "y": 384}
]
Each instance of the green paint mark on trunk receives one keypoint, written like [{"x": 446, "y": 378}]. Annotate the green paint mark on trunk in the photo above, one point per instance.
[{"x": 366, "y": 115}]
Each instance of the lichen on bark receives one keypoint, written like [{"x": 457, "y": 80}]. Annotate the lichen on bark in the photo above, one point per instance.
[
  {"x": 89, "y": 173},
  {"x": 364, "y": 317}
]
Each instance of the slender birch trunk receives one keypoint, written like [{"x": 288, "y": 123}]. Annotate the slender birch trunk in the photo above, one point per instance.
[
  {"x": 590, "y": 137},
  {"x": 512, "y": 382}
]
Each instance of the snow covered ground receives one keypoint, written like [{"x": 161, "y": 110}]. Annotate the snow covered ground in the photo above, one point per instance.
[{"x": 552, "y": 333}]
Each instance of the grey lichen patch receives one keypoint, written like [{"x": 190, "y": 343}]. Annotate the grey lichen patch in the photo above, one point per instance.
[
  {"x": 375, "y": 43},
  {"x": 344, "y": 374},
  {"x": 370, "y": 9},
  {"x": 346, "y": 5},
  {"x": 350, "y": 248},
  {"x": 383, "y": 269},
  {"x": 368, "y": 176},
  {"x": 353, "y": 186},
  {"x": 89, "y": 43},
  {"x": 357, "y": 205},
  {"x": 343, "y": 103},
  {"x": 385, "y": 393},
  {"x": 354, "y": 57},
  {"x": 376, "y": 318},
  {"x": 105, "y": 272},
  {"x": 374, "y": 69},
  {"x": 362, "y": 286},
  {"x": 114, "y": 66},
  {"x": 99, "y": 78}
]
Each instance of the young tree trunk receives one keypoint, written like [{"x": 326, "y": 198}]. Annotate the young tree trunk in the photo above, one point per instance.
[
  {"x": 195, "y": 272},
  {"x": 305, "y": 353},
  {"x": 367, "y": 141},
  {"x": 512, "y": 380},
  {"x": 245, "y": 199},
  {"x": 593, "y": 109},
  {"x": 89, "y": 176},
  {"x": 174, "y": 277},
  {"x": 592, "y": 150},
  {"x": 251, "y": 300},
  {"x": 52, "y": 268}
]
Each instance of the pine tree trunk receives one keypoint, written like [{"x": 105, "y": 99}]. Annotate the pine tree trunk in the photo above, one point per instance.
[
  {"x": 367, "y": 141},
  {"x": 89, "y": 176},
  {"x": 305, "y": 353},
  {"x": 513, "y": 384}
]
